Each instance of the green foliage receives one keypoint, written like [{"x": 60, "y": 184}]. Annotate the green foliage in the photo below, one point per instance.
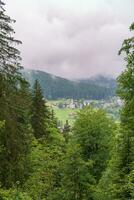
[
  {"x": 86, "y": 155},
  {"x": 93, "y": 130},
  {"x": 13, "y": 194},
  {"x": 2, "y": 124},
  {"x": 77, "y": 181},
  {"x": 46, "y": 160},
  {"x": 117, "y": 181},
  {"x": 126, "y": 92}
]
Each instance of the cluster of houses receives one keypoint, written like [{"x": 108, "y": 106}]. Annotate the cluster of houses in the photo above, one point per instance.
[
  {"x": 79, "y": 104},
  {"x": 74, "y": 104}
]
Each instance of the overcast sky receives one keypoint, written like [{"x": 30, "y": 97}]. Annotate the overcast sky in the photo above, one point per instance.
[{"x": 72, "y": 38}]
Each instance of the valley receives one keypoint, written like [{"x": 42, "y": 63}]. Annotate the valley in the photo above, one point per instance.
[
  {"x": 67, "y": 97},
  {"x": 66, "y": 109}
]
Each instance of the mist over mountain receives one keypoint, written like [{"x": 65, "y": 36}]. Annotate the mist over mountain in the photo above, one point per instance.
[
  {"x": 55, "y": 87},
  {"x": 105, "y": 81}
]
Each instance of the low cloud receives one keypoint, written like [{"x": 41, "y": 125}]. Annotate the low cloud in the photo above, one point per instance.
[{"x": 71, "y": 42}]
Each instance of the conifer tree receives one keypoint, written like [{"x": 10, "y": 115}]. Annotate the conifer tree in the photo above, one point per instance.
[
  {"x": 9, "y": 55},
  {"x": 15, "y": 136},
  {"x": 66, "y": 130},
  {"x": 53, "y": 118},
  {"x": 40, "y": 113}
]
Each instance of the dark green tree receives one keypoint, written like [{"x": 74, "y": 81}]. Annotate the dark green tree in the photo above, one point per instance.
[
  {"x": 53, "y": 118},
  {"x": 40, "y": 113},
  {"x": 15, "y": 136},
  {"x": 78, "y": 181},
  {"x": 66, "y": 130},
  {"x": 9, "y": 55}
]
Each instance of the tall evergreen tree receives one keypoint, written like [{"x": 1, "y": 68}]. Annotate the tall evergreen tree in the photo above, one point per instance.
[
  {"x": 14, "y": 137},
  {"x": 66, "y": 130},
  {"x": 9, "y": 55},
  {"x": 40, "y": 113}
]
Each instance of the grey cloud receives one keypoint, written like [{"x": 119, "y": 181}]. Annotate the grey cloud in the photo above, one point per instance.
[{"x": 73, "y": 44}]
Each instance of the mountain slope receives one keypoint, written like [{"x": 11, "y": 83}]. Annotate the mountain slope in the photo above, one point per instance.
[{"x": 56, "y": 87}]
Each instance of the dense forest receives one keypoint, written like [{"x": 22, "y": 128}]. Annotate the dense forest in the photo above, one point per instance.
[
  {"x": 56, "y": 87},
  {"x": 93, "y": 160}
]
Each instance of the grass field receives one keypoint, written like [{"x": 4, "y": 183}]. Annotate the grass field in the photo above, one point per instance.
[{"x": 65, "y": 114}]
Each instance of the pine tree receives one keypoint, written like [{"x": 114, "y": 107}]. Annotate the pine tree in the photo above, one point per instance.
[
  {"x": 66, "y": 130},
  {"x": 9, "y": 55},
  {"x": 40, "y": 113},
  {"x": 53, "y": 118},
  {"x": 15, "y": 136}
]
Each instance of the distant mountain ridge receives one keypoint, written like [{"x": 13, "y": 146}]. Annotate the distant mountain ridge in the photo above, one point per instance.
[
  {"x": 100, "y": 80},
  {"x": 55, "y": 87}
]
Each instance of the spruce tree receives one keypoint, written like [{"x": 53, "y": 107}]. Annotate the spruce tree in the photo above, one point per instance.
[
  {"x": 66, "y": 130},
  {"x": 53, "y": 118},
  {"x": 15, "y": 136},
  {"x": 40, "y": 114},
  {"x": 9, "y": 55}
]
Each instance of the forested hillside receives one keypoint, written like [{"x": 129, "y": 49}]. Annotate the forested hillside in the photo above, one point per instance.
[
  {"x": 93, "y": 160},
  {"x": 55, "y": 87}
]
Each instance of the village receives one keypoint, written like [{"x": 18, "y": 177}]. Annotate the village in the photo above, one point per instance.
[{"x": 79, "y": 104}]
